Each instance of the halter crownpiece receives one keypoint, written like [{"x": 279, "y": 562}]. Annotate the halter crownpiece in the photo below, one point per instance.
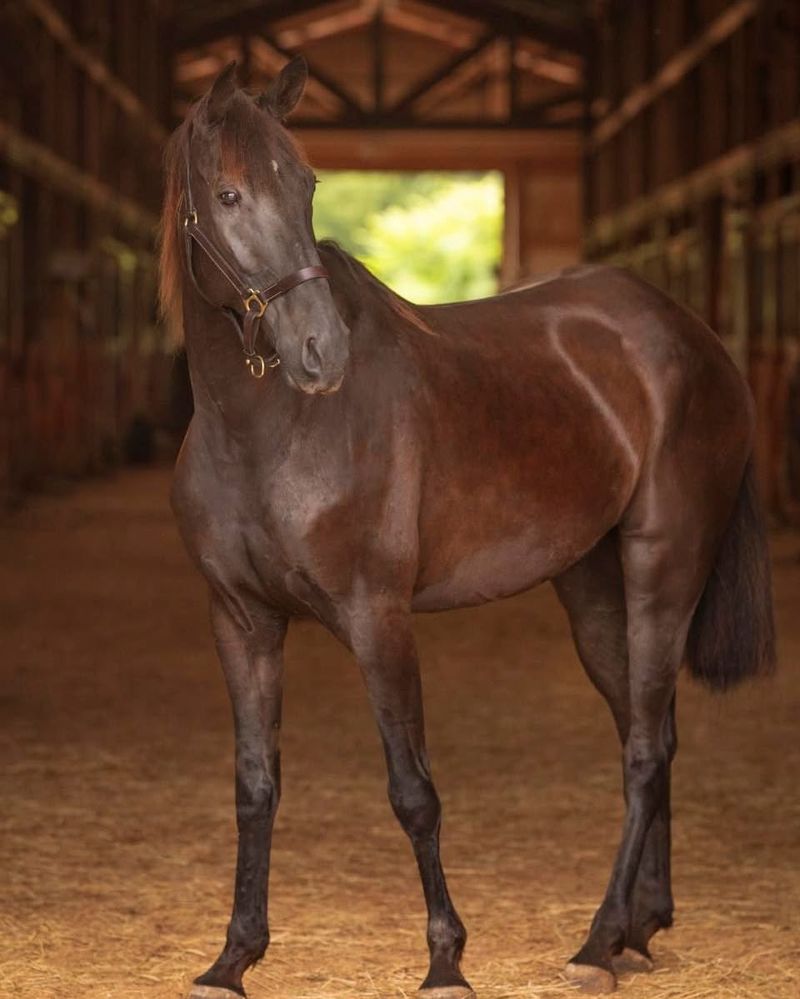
[{"x": 254, "y": 300}]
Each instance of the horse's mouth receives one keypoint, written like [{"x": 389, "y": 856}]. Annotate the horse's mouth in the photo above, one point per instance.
[{"x": 313, "y": 388}]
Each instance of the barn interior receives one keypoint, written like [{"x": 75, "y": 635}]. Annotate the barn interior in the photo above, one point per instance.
[{"x": 659, "y": 135}]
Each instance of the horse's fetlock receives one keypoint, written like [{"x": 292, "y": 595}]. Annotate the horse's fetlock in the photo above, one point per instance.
[
  {"x": 447, "y": 934},
  {"x": 246, "y": 938}
]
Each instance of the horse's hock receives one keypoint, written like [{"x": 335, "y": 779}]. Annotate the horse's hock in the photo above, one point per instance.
[{"x": 117, "y": 757}]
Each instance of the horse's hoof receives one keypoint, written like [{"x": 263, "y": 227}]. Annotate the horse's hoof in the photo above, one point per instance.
[
  {"x": 447, "y": 992},
  {"x": 590, "y": 978},
  {"x": 634, "y": 961},
  {"x": 212, "y": 992}
]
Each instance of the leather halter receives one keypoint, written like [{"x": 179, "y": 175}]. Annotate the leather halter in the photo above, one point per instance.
[{"x": 254, "y": 300}]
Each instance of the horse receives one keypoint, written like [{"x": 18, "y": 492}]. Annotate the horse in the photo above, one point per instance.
[{"x": 354, "y": 458}]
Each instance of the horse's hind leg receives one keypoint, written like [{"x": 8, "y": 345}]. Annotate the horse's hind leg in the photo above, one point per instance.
[
  {"x": 592, "y": 592},
  {"x": 384, "y": 646},
  {"x": 667, "y": 543}
]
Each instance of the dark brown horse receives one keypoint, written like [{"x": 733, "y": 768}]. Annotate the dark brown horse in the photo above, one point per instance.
[{"x": 586, "y": 430}]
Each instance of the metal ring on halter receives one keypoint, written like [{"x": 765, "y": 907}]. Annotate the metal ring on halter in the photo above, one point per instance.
[{"x": 256, "y": 365}]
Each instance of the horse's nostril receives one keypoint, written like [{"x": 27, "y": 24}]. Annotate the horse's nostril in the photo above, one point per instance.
[{"x": 312, "y": 361}]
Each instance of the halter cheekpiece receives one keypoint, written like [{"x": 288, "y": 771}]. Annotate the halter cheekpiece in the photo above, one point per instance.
[{"x": 254, "y": 300}]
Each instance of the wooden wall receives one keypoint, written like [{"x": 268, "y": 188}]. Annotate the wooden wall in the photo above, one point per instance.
[
  {"x": 84, "y": 95},
  {"x": 692, "y": 178}
]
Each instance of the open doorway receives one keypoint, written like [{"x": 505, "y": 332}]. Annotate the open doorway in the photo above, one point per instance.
[{"x": 431, "y": 236}]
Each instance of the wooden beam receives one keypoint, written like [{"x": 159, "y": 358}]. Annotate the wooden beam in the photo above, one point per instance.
[
  {"x": 442, "y": 73},
  {"x": 481, "y": 148},
  {"x": 36, "y": 160},
  {"x": 95, "y": 68},
  {"x": 322, "y": 78},
  {"x": 504, "y": 20},
  {"x": 542, "y": 107},
  {"x": 324, "y": 26},
  {"x": 548, "y": 68},
  {"x": 269, "y": 61},
  {"x": 674, "y": 70},
  {"x": 422, "y": 21},
  {"x": 779, "y": 146},
  {"x": 431, "y": 124}
]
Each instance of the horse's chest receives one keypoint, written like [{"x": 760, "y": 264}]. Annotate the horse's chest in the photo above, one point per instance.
[{"x": 252, "y": 531}]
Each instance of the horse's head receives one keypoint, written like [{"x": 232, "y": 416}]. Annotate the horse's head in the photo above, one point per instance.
[{"x": 252, "y": 193}]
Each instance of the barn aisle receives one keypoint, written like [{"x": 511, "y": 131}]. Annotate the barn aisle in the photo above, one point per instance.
[{"x": 117, "y": 831}]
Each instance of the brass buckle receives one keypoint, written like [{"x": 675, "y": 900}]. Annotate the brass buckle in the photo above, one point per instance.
[
  {"x": 256, "y": 365},
  {"x": 260, "y": 304},
  {"x": 191, "y": 217}
]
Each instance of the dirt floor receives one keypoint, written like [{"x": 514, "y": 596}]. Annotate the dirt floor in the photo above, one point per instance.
[{"x": 117, "y": 823}]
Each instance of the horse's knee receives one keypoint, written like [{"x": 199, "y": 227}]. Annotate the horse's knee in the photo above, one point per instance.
[{"x": 416, "y": 805}]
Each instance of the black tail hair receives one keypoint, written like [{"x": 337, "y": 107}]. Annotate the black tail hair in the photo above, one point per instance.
[{"x": 732, "y": 635}]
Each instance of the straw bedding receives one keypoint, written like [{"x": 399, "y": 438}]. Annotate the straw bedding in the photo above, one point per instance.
[{"x": 117, "y": 831}]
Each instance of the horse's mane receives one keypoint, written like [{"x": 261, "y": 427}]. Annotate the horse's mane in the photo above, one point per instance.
[
  {"x": 170, "y": 265},
  {"x": 354, "y": 281}
]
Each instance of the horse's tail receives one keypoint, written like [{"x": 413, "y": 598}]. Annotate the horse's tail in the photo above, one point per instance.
[{"x": 732, "y": 635}]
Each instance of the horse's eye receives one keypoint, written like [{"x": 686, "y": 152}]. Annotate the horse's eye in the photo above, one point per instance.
[{"x": 229, "y": 198}]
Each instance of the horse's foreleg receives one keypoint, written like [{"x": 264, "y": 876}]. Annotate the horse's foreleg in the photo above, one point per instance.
[
  {"x": 253, "y": 667},
  {"x": 387, "y": 655}
]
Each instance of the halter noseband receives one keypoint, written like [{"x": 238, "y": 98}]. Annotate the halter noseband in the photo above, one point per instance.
[{"x": 254, "y": 300}]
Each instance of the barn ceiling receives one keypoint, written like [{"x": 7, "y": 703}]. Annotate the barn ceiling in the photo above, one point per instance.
[{"x": 396, "y": 63}]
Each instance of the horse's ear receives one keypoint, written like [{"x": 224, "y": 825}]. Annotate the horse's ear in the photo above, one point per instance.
[
  {"x": 219, "y": 97},
  {"x": 282, "y": 95}
]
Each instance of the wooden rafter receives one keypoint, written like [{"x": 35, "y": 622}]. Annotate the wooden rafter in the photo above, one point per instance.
[
  {"x": 318, "y": 75},
  {"x": 498, "y": 45},
  {"x": 510, "y": 21},
  {"x": 417, "y": 19},
  {"x": 542, "y": 107},
  {"x": 325, "y": 25},
  {"x": 269, "y": 60},
  {"x": 503, "y": 17},
  {"x": 675, "y": 70},
  {"x": 470, "y": 124},
  {"x": 442, "y": 73}
]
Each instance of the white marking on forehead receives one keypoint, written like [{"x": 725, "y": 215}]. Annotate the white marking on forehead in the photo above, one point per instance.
[{"x": 274, "y": 165}]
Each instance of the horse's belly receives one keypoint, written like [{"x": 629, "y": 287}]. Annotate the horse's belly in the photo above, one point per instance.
[
  {"x": 488, "y": 574},
  {"x": 501, "y": 568},
  {"x": 488, "y": 539}
]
